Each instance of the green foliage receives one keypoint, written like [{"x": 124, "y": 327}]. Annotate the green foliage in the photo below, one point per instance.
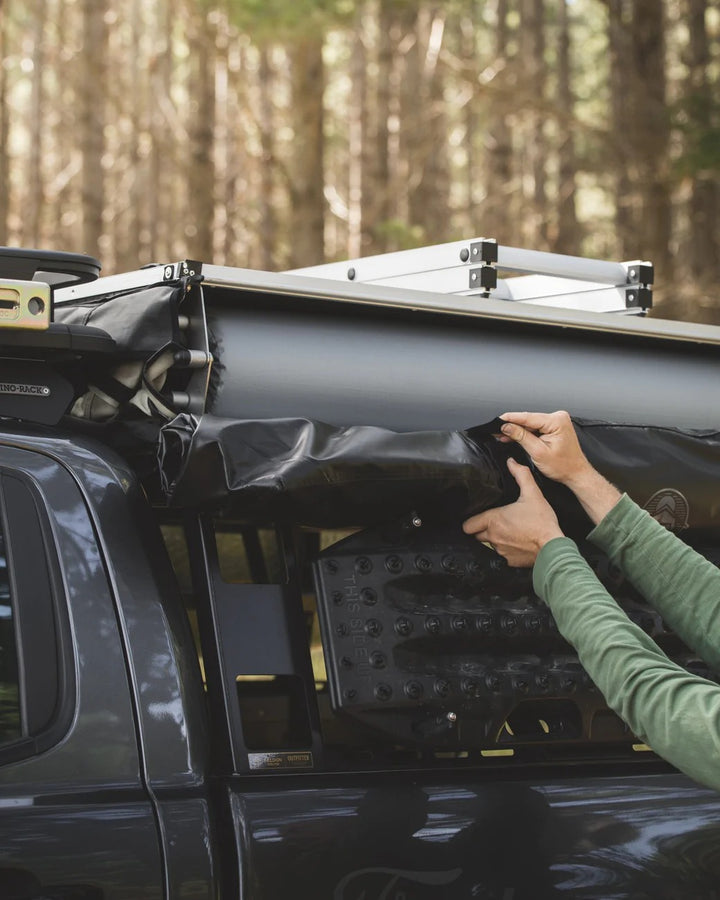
[
  {"x": 281, "y": 19},
  {"x": 697, "y": 118},
  {"x": 396, "y": 234}
]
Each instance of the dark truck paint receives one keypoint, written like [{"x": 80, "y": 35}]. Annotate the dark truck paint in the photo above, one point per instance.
[{"x": 168, "y": 731}]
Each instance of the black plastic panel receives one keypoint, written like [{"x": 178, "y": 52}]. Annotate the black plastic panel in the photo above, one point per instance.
[{"x": 430, "y": 637}]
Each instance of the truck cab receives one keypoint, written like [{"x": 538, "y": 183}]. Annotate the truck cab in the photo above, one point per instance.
[{"x": 246, "y": 649}]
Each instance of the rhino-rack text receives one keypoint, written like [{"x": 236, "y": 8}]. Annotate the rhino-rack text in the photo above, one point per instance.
[{"x": 36, "y": 390}]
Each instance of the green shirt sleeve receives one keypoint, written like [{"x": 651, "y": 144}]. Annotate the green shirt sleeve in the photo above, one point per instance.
[
  {"x": 682, "y": 585},
  {"x": 676, "y": 713}
]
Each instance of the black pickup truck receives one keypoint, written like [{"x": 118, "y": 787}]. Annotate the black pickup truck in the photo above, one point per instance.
[{"x": 245, "y": 649}]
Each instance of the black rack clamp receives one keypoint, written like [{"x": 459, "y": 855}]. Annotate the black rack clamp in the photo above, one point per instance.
[
  {"x": 483, "y": 277},
  {"x": 640, "y": 278}
]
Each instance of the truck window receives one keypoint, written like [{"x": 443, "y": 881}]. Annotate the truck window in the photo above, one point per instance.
[
  {"x": 10, "y": 726},
  {"x": 35, "y": 702}
]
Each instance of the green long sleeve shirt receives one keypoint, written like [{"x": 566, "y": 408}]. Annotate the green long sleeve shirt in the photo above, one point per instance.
[{"x": 676, "y": 713}]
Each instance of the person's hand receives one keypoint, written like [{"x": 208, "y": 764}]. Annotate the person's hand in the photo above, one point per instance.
[
  {"x": 520, "y": 530},
  {"x": 550, "y": 441}
]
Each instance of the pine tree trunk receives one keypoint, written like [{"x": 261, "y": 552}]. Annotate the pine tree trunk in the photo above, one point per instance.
[
  {"x": 532, "y": 59},
  {"x": 92, "y": 98},
  {"x": 357, "y": 132},
  {"x": 703, "y": 251},
  {"x": 497, "y": 209},
  {"x": 424, "y": 127},
  {"x": 377, "y": 199},
  {"x": 34, "y": 201},
  {"x": 307, "y": 168},
  {"x": 268, "y": 215},
  {"x": 567, "y": 239},
  {"x": 201, "y": 176},
  {"x": 4, "y": 127},
  {"x": 653, "y": 135},
  {"x": 623, "y": 125}
]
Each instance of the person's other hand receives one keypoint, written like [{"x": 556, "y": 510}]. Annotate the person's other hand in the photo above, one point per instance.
[
  {"x": 520, "y": 530},
  {"x": 550, "y": 441}
]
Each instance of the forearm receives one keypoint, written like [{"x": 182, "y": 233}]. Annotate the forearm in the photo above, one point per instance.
[
  {"x": 595, "y": 493},
  {"x": 675, "y": 712},
  {"x": 682, "y": 585}
]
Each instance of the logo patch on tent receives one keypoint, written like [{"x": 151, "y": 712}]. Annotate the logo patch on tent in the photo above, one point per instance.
[{"x": 670, "y": 508}]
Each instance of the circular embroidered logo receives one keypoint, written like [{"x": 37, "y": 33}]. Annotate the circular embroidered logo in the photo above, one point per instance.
[{"x": 670, "y": 508}]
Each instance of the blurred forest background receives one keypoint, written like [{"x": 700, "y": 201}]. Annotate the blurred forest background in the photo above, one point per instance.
[{"x": 281, "y": 133}]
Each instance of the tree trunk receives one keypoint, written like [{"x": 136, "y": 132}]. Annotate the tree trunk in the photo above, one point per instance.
[
  {"x": 4, "y": 127},
  {"x": 532, "y": 59},
  {"x": 653, "y": 135},
  {"x": 377, "y": 195},
  {"x": 307, "y": 168},
  {"x": 496, "y": 218},
  {"x": 357, "y": 133},
  {"x": 34, "y": 201},
  {"x": 703, "y": 250},
  {"x": 199, "y": 230},
  {"x": 268, "y": 214},
  {"x": 567, "y": 239},
  {"x": 424, "y": 138},
  {"x": 92, "y": 94}
]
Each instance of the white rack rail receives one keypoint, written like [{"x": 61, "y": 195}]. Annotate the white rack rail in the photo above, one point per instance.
[{"x": 470, "y": 268}]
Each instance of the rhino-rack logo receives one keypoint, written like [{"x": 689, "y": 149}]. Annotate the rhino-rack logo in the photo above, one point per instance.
[{"x": 24, "y": 390}]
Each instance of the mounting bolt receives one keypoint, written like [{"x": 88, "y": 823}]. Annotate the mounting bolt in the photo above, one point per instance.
[
  {"x": 368, "y": 596},
  {"x": 403, "y": 626},
  {"x": 413, "y": 690},
  {"x": 394, "y": 564},
  {"x": 451, "y": 717},
  {"x": 492, "y": 682},
  {"x": 331, "y": 567},
  {"x": 168, "y": 272},
  {"x": 460, "y": 623},
  {"x": 363, "y": 565},
  {"x": 423, "y": 563},
  {"x": 351, "y": 274},
  {"x": 373, "y": 627},
  {"x": 383, "y": 692},
  {"x": 377, "y": 660},
  {"x": 432, "y": 624},
  {"x": 441, "y": 687},
  {"x": 416, "y": 521}
]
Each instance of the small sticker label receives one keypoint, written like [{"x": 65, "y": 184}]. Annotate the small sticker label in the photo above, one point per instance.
[
  {"x": 296, "y": 759},
  {"x": 25, "y": 390},
  {"x": 670, "y": 508}
]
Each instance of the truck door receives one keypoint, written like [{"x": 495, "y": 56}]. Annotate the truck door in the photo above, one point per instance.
[{"x": 76, "y": 822}]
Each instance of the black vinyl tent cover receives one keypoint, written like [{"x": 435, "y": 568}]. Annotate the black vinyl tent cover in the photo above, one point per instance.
[{"x": 305, "y": 472}]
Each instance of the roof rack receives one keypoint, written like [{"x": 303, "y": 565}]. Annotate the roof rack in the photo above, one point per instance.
[{"x": 470, "y": 268}]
